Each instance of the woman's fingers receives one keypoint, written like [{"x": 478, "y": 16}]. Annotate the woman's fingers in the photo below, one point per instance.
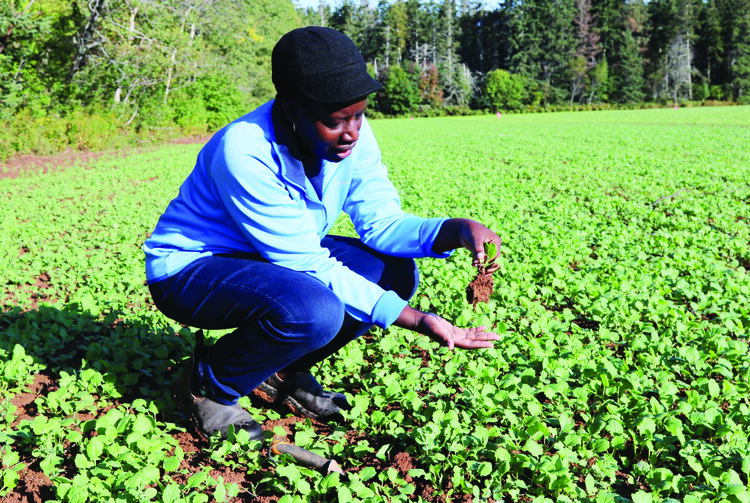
[
  {"x": 474, "y": 338},
  {"x": 452, "y": 336}
]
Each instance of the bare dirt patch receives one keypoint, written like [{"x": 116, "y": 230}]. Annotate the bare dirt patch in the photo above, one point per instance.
[
  {"x": 33, "y": 486},
  {"x": 25, "y": 402},
  {"x": 42, "y": 164}
]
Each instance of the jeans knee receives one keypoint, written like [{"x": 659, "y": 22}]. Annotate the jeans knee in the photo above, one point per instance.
[{"x": 314, "y": 320}]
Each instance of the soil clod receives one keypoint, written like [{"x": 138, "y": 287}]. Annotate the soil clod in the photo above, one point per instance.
[{"x": 480, "y": 289}]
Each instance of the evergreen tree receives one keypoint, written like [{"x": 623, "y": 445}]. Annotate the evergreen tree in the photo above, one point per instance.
[
  {"x": 621, "y": 25},
  {"x": 735, "y": 15},
  {"x": 586, "y": 52},
  {"x": 394, "y": 32},
  {"x": 485, "y": 38},
  {"x": 628, "y": 83},
  {"x": 359, "y": 22},
  {"x": 709, "y": 51},
  {"x": 543, "y": 43},
  {"x": 457, "y": 87}
]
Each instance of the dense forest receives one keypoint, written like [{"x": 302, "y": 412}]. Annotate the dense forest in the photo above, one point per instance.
[{"x": 97, "y": 73}]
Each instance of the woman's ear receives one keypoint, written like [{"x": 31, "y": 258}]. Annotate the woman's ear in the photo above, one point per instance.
[{"x": 291, "y": 111}]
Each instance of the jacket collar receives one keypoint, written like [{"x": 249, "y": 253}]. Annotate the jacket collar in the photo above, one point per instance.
[{"x": 291, "y": 167}]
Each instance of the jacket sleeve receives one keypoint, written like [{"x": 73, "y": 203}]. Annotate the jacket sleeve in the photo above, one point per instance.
[
  {"x": 375, "y": 208},
  {"x": 277, "y": 226}
]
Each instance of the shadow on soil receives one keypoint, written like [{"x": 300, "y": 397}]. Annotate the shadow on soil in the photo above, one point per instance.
[{"x": 135, "y": 358}]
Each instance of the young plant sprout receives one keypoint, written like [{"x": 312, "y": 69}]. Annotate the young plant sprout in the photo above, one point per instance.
[{"x": 490, "y": 254}]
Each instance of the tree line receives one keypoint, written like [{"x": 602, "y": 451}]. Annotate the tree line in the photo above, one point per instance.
[
  {"x": 541, "y": 53},
  {"x": 100, "y": 71}
]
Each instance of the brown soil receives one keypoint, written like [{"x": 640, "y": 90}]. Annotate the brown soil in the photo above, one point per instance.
[
  {"x": 33, "y": 486},
  {"x": 41, "y": 164},
  {"x": 480, "y": 289}
]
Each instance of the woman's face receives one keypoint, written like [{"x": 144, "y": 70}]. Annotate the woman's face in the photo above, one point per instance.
[{"x": 328, "y": 132}]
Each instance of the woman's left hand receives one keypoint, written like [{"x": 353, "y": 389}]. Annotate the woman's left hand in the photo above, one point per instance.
[
  {"x": 470, "y": 234},
  {"x": 473, "y": 236}
]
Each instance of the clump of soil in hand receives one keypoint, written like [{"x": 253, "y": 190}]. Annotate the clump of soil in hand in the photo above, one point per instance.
[{"x": 480, "y": 289}]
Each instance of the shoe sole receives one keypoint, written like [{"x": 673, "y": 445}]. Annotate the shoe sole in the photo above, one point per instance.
[{"x": 281, "y": 397}]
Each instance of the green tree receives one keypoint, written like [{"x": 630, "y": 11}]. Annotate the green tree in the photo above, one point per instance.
[
  {"x": 709, "y": 48},
  {"x": 485, "y": 37},
  {"x": 543, "y": 44},
  {"x": 36, "y": 40},
  {"x": 505, "y": 91},
  {"x": 621, "y": 28},
  {"x": 400, "y": 93},
  {"x": 394, "y": 32},
  {"x": 452, "y": 77},
  {"x": 629, "y": 82},
  {"x": 598, "y": 78},
  {"x": 421, "y": 32},
  {"x": 671, "y": 26},
  {"x": 577, "y": 70},
  {"x": 358, "y": 21},
  {"x": 735, "y": 16},
  {"x": 586, "y": 52}
]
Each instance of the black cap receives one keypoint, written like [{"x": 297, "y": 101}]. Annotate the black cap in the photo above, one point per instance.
[{"x": 322, "y": 65}]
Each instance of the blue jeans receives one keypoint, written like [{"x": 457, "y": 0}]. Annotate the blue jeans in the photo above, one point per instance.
[{"x": 284, "y": 319}]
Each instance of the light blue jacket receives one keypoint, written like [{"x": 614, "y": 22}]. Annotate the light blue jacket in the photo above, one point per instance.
[{"x": 248, "y": 194}]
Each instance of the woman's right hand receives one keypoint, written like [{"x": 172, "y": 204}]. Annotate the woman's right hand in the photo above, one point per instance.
[
  {"x": 442, "y": 331},
  {"x": 447, "y": 334}
]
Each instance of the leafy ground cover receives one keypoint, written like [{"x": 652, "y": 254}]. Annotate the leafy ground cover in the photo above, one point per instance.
[{"x": 622, "y": 301}]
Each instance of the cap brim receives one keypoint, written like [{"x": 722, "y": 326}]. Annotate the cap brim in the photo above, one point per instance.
[{"x": 343, "y": 89}]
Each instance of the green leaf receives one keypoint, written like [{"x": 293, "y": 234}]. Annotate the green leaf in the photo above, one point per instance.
[
  {"x": 533, "y": 448},
  {"x": 642, "y": 497},
  {"x": 746, "y": 465},
  {"x": 566, "y": 422},
  {"x": 290, "y": 472},
  {"x": 197, "y": 479},
  {"x": 329, "y": 481},
  {"x": 367, "y": 473},
  {"x": 503, "y": 460},
  {"x": 483, "y": 469},
  {"x": 344, "y": 494},
  {"x": 590, "y": 484},
  {"x": 171, "y": 493},
  {"x": 600, "y": 445},
  {"x": 171, "y": 463},
  {"x": 381, "y": 454},
  {"x": 490, "y": 252},
  {"x": 143, "y": 424},
  {"x": 95, "y": 448},
  {"x": 740, "y": 497}
]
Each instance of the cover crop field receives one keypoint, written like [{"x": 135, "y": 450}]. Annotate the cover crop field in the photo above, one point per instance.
[{"x": 623, "y": 303}]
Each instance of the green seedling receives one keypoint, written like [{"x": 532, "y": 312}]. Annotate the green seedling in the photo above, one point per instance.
[{"x": 490, "y": 254}]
